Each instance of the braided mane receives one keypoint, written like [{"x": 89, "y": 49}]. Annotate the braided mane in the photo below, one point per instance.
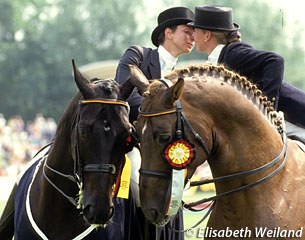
[{"x": 238, "y": 82}]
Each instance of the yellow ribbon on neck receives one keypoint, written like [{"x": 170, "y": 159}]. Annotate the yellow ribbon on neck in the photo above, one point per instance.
[{"x": 125, "y": 180}]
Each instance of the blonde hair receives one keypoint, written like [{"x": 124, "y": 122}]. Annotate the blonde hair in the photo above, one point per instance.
[{"x": 225, "y": 37}]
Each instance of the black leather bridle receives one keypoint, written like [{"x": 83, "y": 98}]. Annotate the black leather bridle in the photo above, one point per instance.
[
  {"x": 79, "y": 167},
  {"x": 182, "y": 124}
]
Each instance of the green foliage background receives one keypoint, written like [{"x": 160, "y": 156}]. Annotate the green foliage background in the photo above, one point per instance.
[{"x": 38, "y": 39}]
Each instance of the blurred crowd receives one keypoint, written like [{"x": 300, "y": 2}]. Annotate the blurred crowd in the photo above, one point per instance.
[{"x": 20, "y": 140}]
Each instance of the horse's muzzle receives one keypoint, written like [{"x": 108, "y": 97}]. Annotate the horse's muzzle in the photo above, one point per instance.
[
  {"x": 156, "y": 217},
  {"x": 102, "y": 217}
]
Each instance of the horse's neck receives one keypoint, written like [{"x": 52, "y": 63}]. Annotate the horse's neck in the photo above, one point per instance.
[
  {"x": 61, "y": 150},
  {"x": 59, "y": 159},
  {"x": 238, "y": 151},
  {"x": 61, "y": 153},
  {"x": 238, "y": 133},
  {"x": 239, "y": 127},
  {"x": 244, "y": 142}
]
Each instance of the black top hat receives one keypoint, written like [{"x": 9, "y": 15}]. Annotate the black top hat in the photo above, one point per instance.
[
  {"x": 171, "y": 17},
  {"x": 214, "y": 18}
]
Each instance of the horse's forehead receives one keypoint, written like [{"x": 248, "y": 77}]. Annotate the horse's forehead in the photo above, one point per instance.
[
  {"x": 155, "y": 87},
  {"x": 151, "y": 102},
  {"x": 106, "y": 87}
]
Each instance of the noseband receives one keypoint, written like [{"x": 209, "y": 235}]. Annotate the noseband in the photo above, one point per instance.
[{"x": 79, "y": 167}]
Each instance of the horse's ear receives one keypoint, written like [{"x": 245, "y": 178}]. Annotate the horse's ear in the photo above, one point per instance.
[
  {"x": 138, "y": 79},
  {"x": 126, "y": 89},
  {"x": 81, "y": 82},
  {"x": 174, "y": 93}
]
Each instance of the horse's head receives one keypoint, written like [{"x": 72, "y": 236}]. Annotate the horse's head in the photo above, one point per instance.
[
  {"x": 221, "y": 111},
  {"x": 99, "y": 143},
  {"x": 164, "y": 148}
]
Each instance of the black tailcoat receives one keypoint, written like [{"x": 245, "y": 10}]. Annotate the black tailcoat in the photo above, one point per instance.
[{"x": 266, "y": 70}]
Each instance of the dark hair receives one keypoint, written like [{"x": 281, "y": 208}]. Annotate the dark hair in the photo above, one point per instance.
[{"x": 161, "y": 37}]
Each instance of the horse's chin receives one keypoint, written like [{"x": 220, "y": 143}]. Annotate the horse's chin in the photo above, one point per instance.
[{"x": 98, "y": 225}]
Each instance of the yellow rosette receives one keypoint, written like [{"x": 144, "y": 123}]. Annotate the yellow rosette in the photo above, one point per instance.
[{"x": 179, "y": 154}]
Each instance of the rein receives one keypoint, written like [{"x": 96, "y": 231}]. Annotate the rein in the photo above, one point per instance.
[
  {"x": 80, "y": 168},
  {"x": 283, "y": 153}
]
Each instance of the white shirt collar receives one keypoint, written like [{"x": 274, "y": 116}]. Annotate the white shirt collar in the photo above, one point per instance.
[
  {"x": 214, "y": 55},
  {"x": 167, "y": 61}
]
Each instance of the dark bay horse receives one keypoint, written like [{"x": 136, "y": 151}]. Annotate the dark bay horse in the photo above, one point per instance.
[
  {"x": 68, "y": 192},
  {"x": 215, "y": 115}
]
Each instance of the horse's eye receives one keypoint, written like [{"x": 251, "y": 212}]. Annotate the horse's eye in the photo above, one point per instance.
[
  {"x": 164, "y": 139},
  {"x": 82, "y": 131}
]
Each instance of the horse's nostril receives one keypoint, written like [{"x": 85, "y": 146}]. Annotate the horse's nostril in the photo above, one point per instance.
[
  {"x": 153, "y": 214},
  {"x": 87, "y": 214}
]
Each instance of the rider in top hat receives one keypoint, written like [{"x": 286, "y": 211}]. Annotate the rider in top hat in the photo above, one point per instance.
[
  {"x": 216, "y": 34},
  {"x": 172, "y": 37}
]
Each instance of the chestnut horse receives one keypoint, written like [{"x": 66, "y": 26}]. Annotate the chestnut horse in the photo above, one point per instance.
[
  {"x": 68, "y": 192},
  {"x": 209, "y": 113}
]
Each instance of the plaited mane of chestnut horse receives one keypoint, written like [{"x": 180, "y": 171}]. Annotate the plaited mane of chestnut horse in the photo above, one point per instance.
[{"x": 220, "y": 117}]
